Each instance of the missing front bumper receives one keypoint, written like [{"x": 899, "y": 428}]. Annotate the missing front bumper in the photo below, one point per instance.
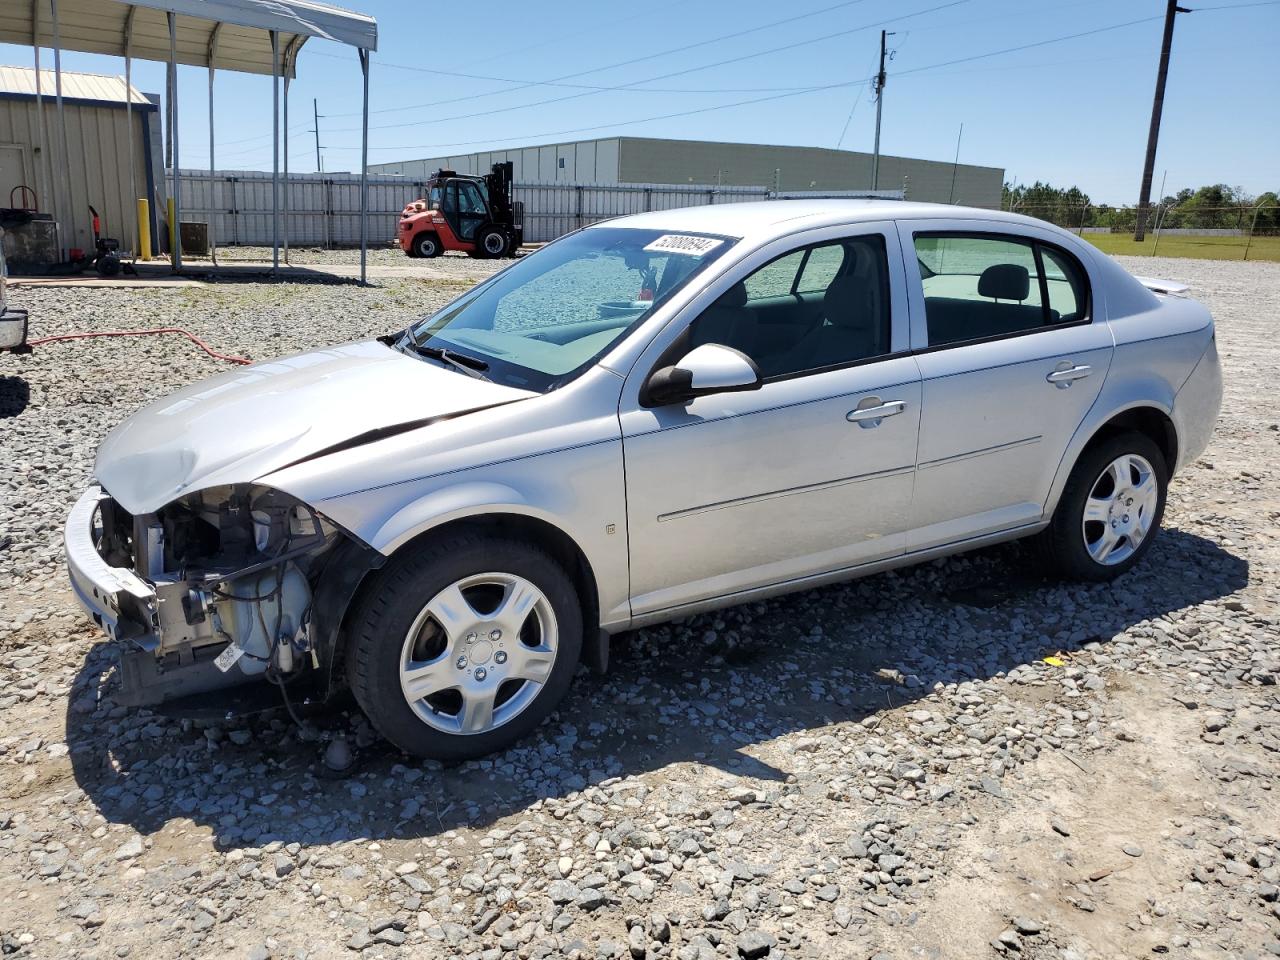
[{"x": 120, "y": 602}]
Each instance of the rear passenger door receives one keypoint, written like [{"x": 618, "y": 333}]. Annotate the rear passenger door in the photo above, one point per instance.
[{"x": 1012, "y": 358}]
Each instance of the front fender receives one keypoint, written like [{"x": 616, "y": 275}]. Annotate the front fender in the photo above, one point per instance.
[
  {"x": 449, "y": 504},
  {"x": 578, "y": 490}
]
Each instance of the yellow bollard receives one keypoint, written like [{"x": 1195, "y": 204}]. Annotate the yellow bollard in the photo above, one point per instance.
[
  {"x": 144, "y": 229},
  {"x": 173, "y": 230}
]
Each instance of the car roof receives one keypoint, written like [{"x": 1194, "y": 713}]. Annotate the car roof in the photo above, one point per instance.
[{"x": 764, "y": 219}]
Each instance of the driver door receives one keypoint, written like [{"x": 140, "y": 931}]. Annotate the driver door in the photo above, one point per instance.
[
  {"x": 464, "y": 209},
  {"x": 737, "y": 491}
]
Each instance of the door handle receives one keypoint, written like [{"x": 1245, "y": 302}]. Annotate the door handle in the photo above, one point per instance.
[
  {"x": 1067, "y": 374},
  {"x": 875, "y": 411}
]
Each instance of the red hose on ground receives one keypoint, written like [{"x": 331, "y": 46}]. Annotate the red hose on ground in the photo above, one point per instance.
[{"x": 141, "y": 333}]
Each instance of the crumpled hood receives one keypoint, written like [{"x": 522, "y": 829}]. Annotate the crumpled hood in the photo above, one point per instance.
[{"x": 241, "y": 425}]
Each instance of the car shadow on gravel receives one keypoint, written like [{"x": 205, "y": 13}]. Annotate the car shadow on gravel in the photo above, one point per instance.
[{"x": 707, "y": 690}]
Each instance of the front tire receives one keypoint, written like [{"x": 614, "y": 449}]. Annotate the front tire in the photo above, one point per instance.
[
  {"x": 426, "y": 245},
  {"x": 464, "y": 646},
  {"x": 1110, "y": 510},
  {"x": 491, "y": 243}
]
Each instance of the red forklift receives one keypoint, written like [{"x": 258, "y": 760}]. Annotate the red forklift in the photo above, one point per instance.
[{"x": 477, "y": 215}]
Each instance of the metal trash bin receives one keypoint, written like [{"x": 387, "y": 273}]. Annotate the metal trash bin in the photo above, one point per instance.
[{"x": 195, "y": 238}]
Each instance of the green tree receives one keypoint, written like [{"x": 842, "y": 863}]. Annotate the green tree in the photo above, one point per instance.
[
  {"x": 1063, "y": 206},
  {"x": 1268, "y": 213}
]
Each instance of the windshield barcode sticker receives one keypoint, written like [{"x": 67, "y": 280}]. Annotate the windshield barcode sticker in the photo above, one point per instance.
[{"x": 689, "y": 246}]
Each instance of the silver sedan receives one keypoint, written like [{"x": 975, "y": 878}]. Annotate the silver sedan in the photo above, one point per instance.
[{"x": 651, "y": 417}]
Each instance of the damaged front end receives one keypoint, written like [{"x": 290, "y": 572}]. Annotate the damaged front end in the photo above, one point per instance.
[{"x": 214, "y": 589}]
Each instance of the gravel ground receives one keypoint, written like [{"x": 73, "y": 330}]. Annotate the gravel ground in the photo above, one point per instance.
[{"x": 887, "y": 768}]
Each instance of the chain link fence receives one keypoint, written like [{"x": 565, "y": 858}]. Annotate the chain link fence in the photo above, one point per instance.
[{"x": 1236, "y": 232}]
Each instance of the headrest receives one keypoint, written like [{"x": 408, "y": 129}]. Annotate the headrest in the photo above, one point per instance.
[
  {"x": 1004, "y": 281},
  {"x": 735, "y": 296},
  {"x": 846, "y": 302}
]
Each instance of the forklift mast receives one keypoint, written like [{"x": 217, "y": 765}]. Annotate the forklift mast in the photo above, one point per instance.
[{"x": 500, "y": 188}]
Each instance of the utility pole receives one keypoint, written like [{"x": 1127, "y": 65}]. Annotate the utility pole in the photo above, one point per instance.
[
  {"x": 880, "y": 79},
  {"x": 315, "y": 110},
  {"x": 1157, "y": 107}
]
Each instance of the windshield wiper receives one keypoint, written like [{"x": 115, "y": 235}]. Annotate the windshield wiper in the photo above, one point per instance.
[{"x": 471, "y": 366}]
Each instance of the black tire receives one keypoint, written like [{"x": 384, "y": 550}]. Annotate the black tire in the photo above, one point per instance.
[
  {"x": 1062, "y": 546},
  {"x": 108, "y": 265},
  {"x": 391, "y": 604},
  {"x": 426, "y": 245},
  {"x": 492, "y": 243}
]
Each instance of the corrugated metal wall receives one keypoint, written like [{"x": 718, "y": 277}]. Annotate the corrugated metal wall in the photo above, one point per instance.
[
  {"x": 583, "y": 161},
  {"x": 647, "y": 160},
  {"x": 96, "y": 166},
  {"x": 554, "y": 209},
  {"x": 325, "y": 208},
  {"x": 650, "y": 160}
]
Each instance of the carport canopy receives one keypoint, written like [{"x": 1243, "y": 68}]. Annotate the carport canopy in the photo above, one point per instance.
[{"x": 247, "y": 36}]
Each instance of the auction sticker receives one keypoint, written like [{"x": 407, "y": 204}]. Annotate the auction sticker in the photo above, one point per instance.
[
  {"x": 228, "y": 657},
  {"x": 679, "y": 243}
]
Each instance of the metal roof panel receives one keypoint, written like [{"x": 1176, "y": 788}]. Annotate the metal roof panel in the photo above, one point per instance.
[{"x": 75, "y": 86}]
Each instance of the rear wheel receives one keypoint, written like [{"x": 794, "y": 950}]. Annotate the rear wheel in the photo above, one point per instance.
[
  {"x": 1110, "y": 510},
  {"x": 492, "y": 242},
  {"x": 426, "y": 245},
  {"x": 464, "y": 646}
]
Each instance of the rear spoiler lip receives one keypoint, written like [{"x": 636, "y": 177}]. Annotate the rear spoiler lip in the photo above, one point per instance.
[{"x": 1170, "y": 287}]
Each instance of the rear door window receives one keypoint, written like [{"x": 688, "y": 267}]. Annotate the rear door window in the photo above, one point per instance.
[
  {"x": 980, "y": 287},
  {"x": 1064, "y": 281}
]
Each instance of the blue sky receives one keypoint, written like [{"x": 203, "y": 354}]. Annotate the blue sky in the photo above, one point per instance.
[{"x": 1069, "y": 112}]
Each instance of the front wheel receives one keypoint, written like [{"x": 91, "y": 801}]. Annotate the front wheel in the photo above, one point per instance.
[
  {"x": 1110, "y": 510},
  {"x": 464, "y": 646},
  {"x": 426, "y": 245},
  {"x": 491, "y": 242}
]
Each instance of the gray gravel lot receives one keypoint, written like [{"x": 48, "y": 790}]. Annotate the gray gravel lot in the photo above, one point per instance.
[{"x": 888, "y": 768}]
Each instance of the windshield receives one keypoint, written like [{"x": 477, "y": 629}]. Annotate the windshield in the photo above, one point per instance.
[{"x": 546, "y": 317}]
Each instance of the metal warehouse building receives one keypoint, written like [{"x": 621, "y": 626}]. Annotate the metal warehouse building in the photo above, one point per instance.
[
  {"x": 625, "y": 160},
  {"x": 62, "y": 177}
]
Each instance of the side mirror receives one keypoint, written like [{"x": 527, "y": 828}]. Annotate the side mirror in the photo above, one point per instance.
[{"x": 710, "y": 368}]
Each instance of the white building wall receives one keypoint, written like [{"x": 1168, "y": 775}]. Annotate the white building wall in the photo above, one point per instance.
[{"x": 623, "y": 160}]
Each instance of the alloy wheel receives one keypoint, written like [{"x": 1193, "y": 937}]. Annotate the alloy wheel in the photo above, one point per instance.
[
  {"x": 478, "y": 653},
  {"x": 1119, "y": 509}
]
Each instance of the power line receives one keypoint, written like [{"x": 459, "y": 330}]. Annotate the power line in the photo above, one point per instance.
[
  {"x": 567, "y": 36},
  {"x": 1236, "y": 6},
  {"x": 524, "y": 84},
  {"x": 603, "y": 126},
  {"x": 849, "y": 119},
  {"x": 569, "y": 86},
  {"x": 740, "y": 103},
  {"x": 678, "y": 73},
  {"x": 1027, "y": 46}
]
